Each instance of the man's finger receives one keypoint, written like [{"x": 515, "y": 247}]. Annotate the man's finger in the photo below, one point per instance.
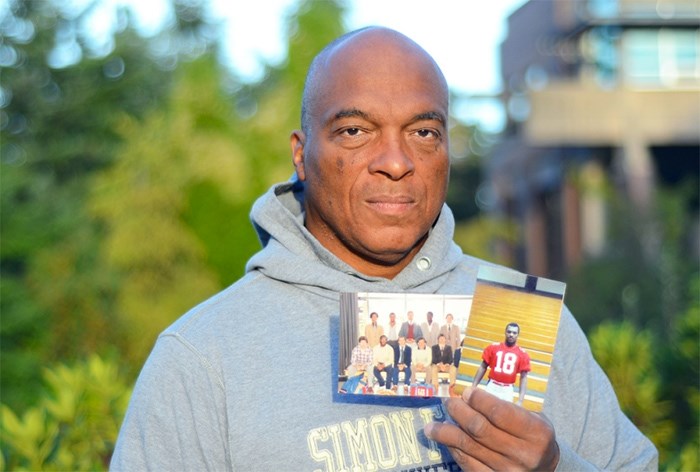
[
  {"x": 480, "y": 430},
  {"x": 503, "y": 415},
  {"x": 526, "y": 431},
  {"x": 464, "y": 449}
]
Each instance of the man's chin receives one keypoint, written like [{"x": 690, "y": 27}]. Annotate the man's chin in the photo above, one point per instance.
[
  {"x": 386, "y": 258},
  {"x": 390, "y": 254}
]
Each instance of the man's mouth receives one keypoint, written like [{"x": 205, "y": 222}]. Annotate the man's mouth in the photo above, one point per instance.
[{"x": 391, "y": 205}]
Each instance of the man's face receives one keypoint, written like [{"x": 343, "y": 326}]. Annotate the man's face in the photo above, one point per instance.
[
  {"x": 363, "y": 344},
  {"x": 374, "y": 318},
  {"x": 441, "y": 341},
  {"x": 430, "y": 317},
  {"x": 402, "y": 341},
  {"x": 421, "y": 344},
  {"x": 449, "y": 319},
  {"x": 392, "y": 318},
  {"x": 512, "y": 335},
  {"x": 376, "y": 164},
  {"x": 409, "y": 315},
  {"x": 382, "y": 340}
]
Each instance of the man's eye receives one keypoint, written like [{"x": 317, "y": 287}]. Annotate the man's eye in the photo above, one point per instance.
[
  {"x": 427, "y": 133},
  {"x": 351, "y": 131}
]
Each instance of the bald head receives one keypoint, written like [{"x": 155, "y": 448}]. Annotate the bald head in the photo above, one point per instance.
[
  {"x": 373, "y": 152},
  {"x": 364, "y": 49}
]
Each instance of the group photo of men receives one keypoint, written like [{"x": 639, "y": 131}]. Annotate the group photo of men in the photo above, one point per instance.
[{"x": 414, "y": 352}]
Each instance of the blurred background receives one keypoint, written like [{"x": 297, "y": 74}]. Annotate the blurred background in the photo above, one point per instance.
[{"x": 134, "y": 139}]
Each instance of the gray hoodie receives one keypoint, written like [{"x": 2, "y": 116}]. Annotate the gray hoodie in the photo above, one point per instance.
[{"x": 247, "y": 380}]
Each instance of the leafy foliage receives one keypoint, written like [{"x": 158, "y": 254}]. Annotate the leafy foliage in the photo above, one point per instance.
[
  {"x": 679, "y": 370},
  {"x": 639, "y": 303},
  {"x": 626, "y": 355},
  {"x": 57, "y": 129},
  {"x": 139, "y": 201},
  {"x": 75, "y": 423},
  {"x": 641, "y": 275}
]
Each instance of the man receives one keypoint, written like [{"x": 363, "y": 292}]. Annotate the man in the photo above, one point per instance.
[
  {"x": 392, "y": 331},
  {"x": 422, "y": 361},
  {"x": 361, "y": 357},
  {"x": 410, "y": 330},
  {"x": 430, "y": 330},
  {"x": 383, "y": 360},
  {"x": 442, "y": 360},
  {"x": 454, "y": 368},
  {"x": 451, "y": 332},
  {"x": 506, "y": 361},
  {"x": 373, "y": 331},
  {"x": 402, "y": 363},
  {"x": 360, "y": 361},
  {"x": 364, "y": 213}
]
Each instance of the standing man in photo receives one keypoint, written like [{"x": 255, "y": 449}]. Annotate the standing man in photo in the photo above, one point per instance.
[
  {"x": 430, "y": 329},
  {"x": 392, "y": 330},
  {"x": 410, "y": 330},
  {"x": 506, "y": 360},
  {"x": 451, "y": 331},
  {"x": 373, "y": 331}
]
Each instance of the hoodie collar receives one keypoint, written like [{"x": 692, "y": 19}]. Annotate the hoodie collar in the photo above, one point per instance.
[{"x": 292, "y": 254}]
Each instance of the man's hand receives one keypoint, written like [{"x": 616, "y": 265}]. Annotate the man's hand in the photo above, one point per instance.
[{"x": 492, "y": 434}]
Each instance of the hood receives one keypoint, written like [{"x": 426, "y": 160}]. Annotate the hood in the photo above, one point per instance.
[{"x": 292, "y": 254}]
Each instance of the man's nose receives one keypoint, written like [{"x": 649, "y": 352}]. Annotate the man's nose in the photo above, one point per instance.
[{"x": 392, "y": 158}]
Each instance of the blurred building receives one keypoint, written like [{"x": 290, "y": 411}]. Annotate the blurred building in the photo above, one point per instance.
[{"x": 597, "y": 91}]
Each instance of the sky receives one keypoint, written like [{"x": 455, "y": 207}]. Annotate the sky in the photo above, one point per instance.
[{"x": 462, "y": 35}]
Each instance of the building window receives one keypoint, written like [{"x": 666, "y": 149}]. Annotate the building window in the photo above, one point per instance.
[{"x": 661, "y": 57}]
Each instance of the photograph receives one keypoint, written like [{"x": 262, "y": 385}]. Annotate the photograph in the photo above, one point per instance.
[
  {"x": 510, "y": 336},
  {"x": 400, "y": 343}
]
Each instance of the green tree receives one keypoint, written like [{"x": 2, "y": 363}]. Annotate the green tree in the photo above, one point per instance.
[
  {"x": 57, "y": 126},
  {"x": 264, "y": 115},
  {"x": 175, "y": 205},
  {"x": 641, "y": 275},
  {"x": 679, "y": 370},
  {"x": 161, "y": 264},
  {"x": 626, "y": 354}
]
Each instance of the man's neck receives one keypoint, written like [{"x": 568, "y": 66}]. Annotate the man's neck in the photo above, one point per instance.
[{"x": 386, "y": 266}]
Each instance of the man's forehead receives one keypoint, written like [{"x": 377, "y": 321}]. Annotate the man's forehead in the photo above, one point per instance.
[{"x": 377, "y": 53}]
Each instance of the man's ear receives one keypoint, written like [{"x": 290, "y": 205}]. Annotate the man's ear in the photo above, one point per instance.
[{"x": 297, "y": 140}]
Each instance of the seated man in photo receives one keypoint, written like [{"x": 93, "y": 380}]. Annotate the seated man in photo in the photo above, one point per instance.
[
  {"x": 383, "y": 357},
  {"x": 361, "y": 357},
  {"x": 442, "y": 359},
  {"x": 402, "y": 362},
  {"x": 456, "y": 357},
  {"x": 422, "y": 361}
]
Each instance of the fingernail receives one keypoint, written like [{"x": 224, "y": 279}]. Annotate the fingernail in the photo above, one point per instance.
[
  {"x": 428, "y": 430},
  {"x": 467, "y": 393}
]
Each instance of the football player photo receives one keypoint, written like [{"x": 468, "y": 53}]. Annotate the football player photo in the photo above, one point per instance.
[{"x": 509, "y": 341}]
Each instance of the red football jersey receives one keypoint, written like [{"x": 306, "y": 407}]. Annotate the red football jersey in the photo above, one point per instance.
[{"x": 506, "y": 362}]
